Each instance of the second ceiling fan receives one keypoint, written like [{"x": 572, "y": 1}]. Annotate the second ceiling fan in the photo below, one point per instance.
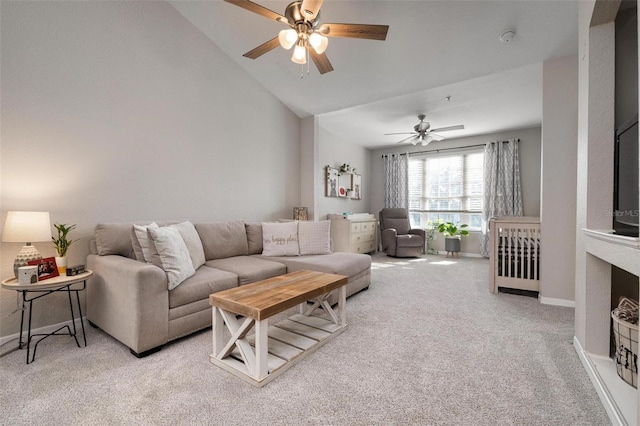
[
  {"x": 423, "y": 132},
  {"x": 306, "y": 35}
]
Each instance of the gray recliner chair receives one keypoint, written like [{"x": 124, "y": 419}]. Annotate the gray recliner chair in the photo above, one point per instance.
[{"x": 398, "y": 239}]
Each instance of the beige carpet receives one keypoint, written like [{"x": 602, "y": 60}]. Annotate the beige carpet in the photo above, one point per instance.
[{"x": 426, "y": 345}]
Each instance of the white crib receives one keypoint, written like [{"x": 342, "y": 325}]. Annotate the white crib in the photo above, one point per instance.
[{"x": 514, "y": 253}]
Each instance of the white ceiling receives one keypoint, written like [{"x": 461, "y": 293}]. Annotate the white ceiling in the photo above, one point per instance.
[{"x": 434, "y": 49}]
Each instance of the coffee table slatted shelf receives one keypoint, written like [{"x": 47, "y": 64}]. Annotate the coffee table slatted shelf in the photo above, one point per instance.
[{"x": 286, "y": 342}]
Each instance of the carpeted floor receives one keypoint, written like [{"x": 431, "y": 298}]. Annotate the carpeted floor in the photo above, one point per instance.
[{"x": 427, "y": 344}]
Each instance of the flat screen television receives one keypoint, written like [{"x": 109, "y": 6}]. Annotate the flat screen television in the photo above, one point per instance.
[{"x": 625, "y": 187}]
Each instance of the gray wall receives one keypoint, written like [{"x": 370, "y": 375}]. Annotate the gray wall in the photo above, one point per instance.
[
  {"x": 333, "y": 151},
  {"x": 529, "y": 173},
  {"x": 119, "y": 111},
  {"x": 559, "y": 181}
]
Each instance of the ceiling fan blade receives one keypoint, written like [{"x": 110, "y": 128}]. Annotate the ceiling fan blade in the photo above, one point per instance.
[
  {"x": 403, "y": 133},
  {"x": 263, "y": 48},
  {"x": 445, "y": 129},
  {"x": 367, "y": 31},
  {"x": 406, "y": 139},
  {"x": 321, "y": 61},
  {"x": 260, "y": 10},
  {"x": 310, "y": 8},
  {"x": 436, "y": 137}
]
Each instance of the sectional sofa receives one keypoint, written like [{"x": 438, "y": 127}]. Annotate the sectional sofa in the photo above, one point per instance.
[{"x": 143, "y": 295}]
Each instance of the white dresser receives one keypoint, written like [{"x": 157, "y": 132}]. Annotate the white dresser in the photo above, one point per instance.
[{"x": 355, "y": 233}]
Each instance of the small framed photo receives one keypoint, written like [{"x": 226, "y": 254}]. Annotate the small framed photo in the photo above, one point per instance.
[
  {"x": 300, "y": 213},
  {"x": 47, "y": 268}
]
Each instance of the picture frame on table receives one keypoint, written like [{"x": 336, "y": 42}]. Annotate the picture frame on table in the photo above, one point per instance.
[
  {"x": 300, "y": 213},
  {"x": 47, "y": 267}
]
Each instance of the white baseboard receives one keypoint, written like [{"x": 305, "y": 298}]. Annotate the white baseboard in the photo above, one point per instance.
[
  {"x": 444, "y": 253},
  {"x": 42, "y": 330},
  {"x": 557, "y": 302}
]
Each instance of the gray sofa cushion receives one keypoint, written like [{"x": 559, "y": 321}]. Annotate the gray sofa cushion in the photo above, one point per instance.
[
  {"x": 249, "y": 268},
  {"x": 199, "y": 286},
  {"x": 114, "y": 238},
  {"x": 342, "y": 263},
  {"x": 254, "y": 237},
  {"x": 223, "y": 239}
]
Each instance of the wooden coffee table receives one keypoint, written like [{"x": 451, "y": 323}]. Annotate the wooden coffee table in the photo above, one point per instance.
[{"x": 271, "y": 350}]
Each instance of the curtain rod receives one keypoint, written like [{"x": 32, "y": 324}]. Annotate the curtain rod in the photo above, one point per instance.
[{"x": 446, "y": 149}]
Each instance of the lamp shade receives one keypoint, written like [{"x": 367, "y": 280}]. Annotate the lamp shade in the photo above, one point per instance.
[
  {"x": 299, "y": 53},
  {"x": 318, "y": 42},
  {"x": 287, "y": 38},
  {"x": 26, "y": 227}
]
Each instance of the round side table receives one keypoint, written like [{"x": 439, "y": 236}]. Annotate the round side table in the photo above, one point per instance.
[{"x": 62, "y": 283}]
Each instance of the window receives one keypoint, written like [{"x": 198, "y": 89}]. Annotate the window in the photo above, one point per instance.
[{"x": 447, "y": 187}]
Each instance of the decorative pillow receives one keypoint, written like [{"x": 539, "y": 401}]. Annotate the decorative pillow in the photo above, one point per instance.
[
  {"x": 280, "y": 239},
  {"x": 314, "y": 237},
  {"x": 140, "y": 241},
  {"x": 192, "y": 241},
  {"x": 172, "y": 254}
]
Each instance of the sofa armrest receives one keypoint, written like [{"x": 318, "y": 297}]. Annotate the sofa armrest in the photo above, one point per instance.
[
  {"x": 129, "y": 300},
  {"x": 420, "y": 232},
  {"x": 389, "y": 241}
]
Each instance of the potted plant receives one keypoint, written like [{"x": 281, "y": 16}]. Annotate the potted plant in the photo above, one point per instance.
[
  {"x": 452, "y": 233},
  {"x": 62, "y": 244}
]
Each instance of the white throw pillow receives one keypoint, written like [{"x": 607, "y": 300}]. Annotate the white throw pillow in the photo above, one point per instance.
[
  {"x": 314, "y": 237},
  {"x": 192, "y": 240},
  {"x": 140, "y": 242},
  {"x": 280, "y": 239},
  {"x": 173, "y": 254}
]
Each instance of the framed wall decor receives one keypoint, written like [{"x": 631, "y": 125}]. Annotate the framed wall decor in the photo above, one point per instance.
[
  {"x": 47, "y": 267},
  {"x": 356, "y": 186},
  {"x": 344, "y": 185},
  {"x": 331, "y": 182}
]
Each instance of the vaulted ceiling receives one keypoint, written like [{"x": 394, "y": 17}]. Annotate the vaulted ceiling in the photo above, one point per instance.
[{"x": 433, "y": 50}]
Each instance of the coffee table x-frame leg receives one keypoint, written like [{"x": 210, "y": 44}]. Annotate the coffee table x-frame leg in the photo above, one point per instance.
[{"x": 255, "y": 357}]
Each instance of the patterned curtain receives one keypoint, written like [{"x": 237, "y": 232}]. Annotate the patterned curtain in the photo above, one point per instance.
[
  {"x": 502, "y": 192},
  {"x": 396, "y": 180}
]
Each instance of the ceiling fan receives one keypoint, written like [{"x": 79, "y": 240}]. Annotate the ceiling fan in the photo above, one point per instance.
[
  {"x": 423, "y": 133},
  {"x": 305, "y": 32}
]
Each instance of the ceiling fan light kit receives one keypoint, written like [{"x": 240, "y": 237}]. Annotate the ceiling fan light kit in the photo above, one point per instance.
[
  {"x": 304, "y": 33},
  {"x": 423, "y": 132}
]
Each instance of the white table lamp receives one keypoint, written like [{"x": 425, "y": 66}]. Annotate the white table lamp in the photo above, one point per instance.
[{"x": 26, "y": 227}]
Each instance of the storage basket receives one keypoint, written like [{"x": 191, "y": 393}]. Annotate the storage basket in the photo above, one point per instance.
[{"x": 626, "y": 356}]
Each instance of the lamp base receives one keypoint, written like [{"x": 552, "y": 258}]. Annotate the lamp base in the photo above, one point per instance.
[{"x": 25, "y": 255}]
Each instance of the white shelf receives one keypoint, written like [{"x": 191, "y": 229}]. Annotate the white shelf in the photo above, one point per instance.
[{"x": 618, "y": 397}]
